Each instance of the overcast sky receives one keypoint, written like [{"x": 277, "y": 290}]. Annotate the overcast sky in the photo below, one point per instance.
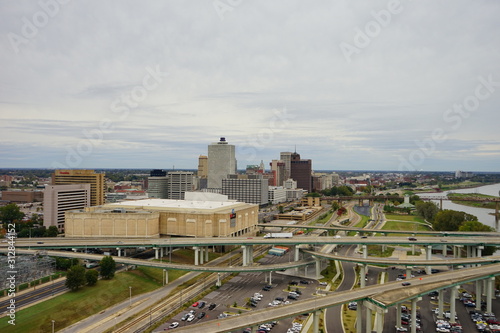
[{"x": 353, "y": 85}]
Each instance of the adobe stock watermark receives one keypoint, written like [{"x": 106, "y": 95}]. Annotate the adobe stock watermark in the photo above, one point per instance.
[
  {"x": 121, "y": 107},
  {"x": 372, "y": 29},
  {"x": 31, "y": 25},
  {"x": 224, "y": 6},
  {"x": 453, "y": 117},
  {"x": 278, "y": 122}
]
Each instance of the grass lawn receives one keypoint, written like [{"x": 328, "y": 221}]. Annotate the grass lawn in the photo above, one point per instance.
[
  {"x": 405, "y": 226},
  {"x": 409, "y": 218},
  {"x": 72, "y": 307}
]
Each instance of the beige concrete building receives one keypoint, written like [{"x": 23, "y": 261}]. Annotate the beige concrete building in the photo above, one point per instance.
[
  {"x": 22, "y": 196},
  {"x": 162, "y": 217}
]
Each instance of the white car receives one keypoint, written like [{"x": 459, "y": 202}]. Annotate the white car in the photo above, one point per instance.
[
  {"x": 190, "y": 318},
  {"x": 323, "y": 283},
  {"x": 173, "y": 325}
]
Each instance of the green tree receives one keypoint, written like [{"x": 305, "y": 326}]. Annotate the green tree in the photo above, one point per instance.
[
  {"x": 451, "y": 220},
  {"x": 52, "y": 231},
  {"x": 91, "y": 277},
  {"x": 427, "y": 210},
  {"x": 10, "y": 213},
  {"x": 75, "y": 278},
  {"x": 474, "y": 226},
  {"x": 108, "y": 267}
]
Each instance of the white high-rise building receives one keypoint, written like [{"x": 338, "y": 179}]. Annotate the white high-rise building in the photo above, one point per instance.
[
  {"x": 58, "y": 199},
  {"x": 221, "y": 162}
]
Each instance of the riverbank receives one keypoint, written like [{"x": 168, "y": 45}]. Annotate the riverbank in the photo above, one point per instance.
[{"x": 479, "y": 204}]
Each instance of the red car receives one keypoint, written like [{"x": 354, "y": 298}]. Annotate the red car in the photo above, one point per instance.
[{"x": 195, "y": 304}]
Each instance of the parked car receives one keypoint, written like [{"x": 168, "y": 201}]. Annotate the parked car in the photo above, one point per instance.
[
  {"x": 195, "y": 304},
  {"x": 201, "y": 305},
  {"x": 212, "y": 306},
  {"x": 173, "y": 325},
  {"x": 201, "y": 315}
]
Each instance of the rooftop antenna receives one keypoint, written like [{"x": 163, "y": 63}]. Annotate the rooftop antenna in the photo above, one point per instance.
[{"x": 295, "y": 149}]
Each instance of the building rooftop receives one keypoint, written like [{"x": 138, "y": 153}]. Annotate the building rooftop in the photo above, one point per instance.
[{"x": 177, "y": 204}]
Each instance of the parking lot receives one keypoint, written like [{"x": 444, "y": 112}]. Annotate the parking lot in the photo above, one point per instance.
[{"x": 246, "y": 292}]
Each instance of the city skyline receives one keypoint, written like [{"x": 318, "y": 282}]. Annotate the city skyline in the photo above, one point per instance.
[{"x": 384, "y": 85}]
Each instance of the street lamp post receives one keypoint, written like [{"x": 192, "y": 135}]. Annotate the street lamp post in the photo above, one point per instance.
[
  {"x": 130, "y": 296},
  {"x": 53, "y": 322}
]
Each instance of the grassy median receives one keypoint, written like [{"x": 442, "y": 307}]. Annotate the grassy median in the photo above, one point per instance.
[{"x": 71, "y": 307}]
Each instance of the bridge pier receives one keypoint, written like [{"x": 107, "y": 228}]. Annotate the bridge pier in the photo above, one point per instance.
[
  {"x": 452, "y": 304},
  {"x": 206, "y": 253},
  {"x": 408, "y": 272},
  {"x": 441, "y": 304},
  {"x": 245, "y": 255},
  {"x": 119, "y": 251},
  {"x": 428, "y": 256},
  {"x": 379, "y": 320},
  {"x": 218, "y": 283},
  {"x": 196, "y": 255},
  {"x": 156, "y": 253},
  {"x": 359, "y": 317},
  {"x": 317, "y": 262},
  {"x": 316, "y": 315},
  {"x": 362, "y": 274},
  {"x": 368, "y": 316},
  {"x": 478, "y": 294},
  {"x": 413, "y": 322},
  {"x": 490, "y": 295},
  {"x": 398, "y": 314}
]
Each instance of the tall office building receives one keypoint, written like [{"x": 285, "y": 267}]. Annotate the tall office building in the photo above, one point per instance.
[
  {"x": 179, "y": 182},
  {"x": 58, "y": 199},
  {"x": 301, "y": 171},
  {"x": 96, "y": 181},
  {"x": 286, "y": 157},
  {"x": 278, "y": 171},
  {"x": 221, "y": 162},
  {"x": 158, "y": 187},
  {"x": 203, "y": 166}
]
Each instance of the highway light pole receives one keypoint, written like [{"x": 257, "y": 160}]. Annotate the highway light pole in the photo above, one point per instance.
[
  {"x": 130, "y": 296},
  {"x": 53, "y": 322}
]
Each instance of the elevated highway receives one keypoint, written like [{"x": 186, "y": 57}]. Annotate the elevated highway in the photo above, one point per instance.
[
  {"x": 476, "y": 239},
  {"x": 379, "y": 296}
]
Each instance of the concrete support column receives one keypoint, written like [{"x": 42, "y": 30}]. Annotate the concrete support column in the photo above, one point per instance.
[
  {"x": 445, "y": 252},
  {"x": 270, "y": 277},
  {"x": 316, "y": 316},
  {"x": 359, "y": 317},
  {"x": 196, "y": 255},
  {"x": 479, "y": 252},
  {"x": 452, "y": 304},
  {"x": 441, "y": 304},
  {"x": 156, "y": 253},
  {"x": 119, "y": 251},
  {"x": 479, "y": 284},
  {"x": 362, "y": 272},
  {"x": 364, "y": 248},
  {"x": 428, "y": 256},
  {"x": 408, "y": 272},
  {"x": 413, "y": 323},
  {"x": 206, "y": 254},
  {"x": 368, "y": 328},
  {"x": 379, "y": 320},
  {"x": 161, "y": 252},
  {"x": 318, "y": 267},
  {"x": 296, "y": 253},
  {"x": 245, "y": 255},
  {"x": 490, "y": 293},
  {"x": 398, "y": 315}
]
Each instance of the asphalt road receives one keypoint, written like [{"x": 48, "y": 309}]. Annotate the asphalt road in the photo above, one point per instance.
[{"x": 38, "y": 294}]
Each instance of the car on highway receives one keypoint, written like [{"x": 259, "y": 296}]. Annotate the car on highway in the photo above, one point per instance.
[
  {"x": 405, "y": 284},
  {"x": 412, "y": 239},
  {"x": 173, "y": 325},
  {"x": 323, "y": 283}
]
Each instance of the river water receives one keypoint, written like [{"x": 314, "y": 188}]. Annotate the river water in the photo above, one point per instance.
[{"x": 483, "y": 214}]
